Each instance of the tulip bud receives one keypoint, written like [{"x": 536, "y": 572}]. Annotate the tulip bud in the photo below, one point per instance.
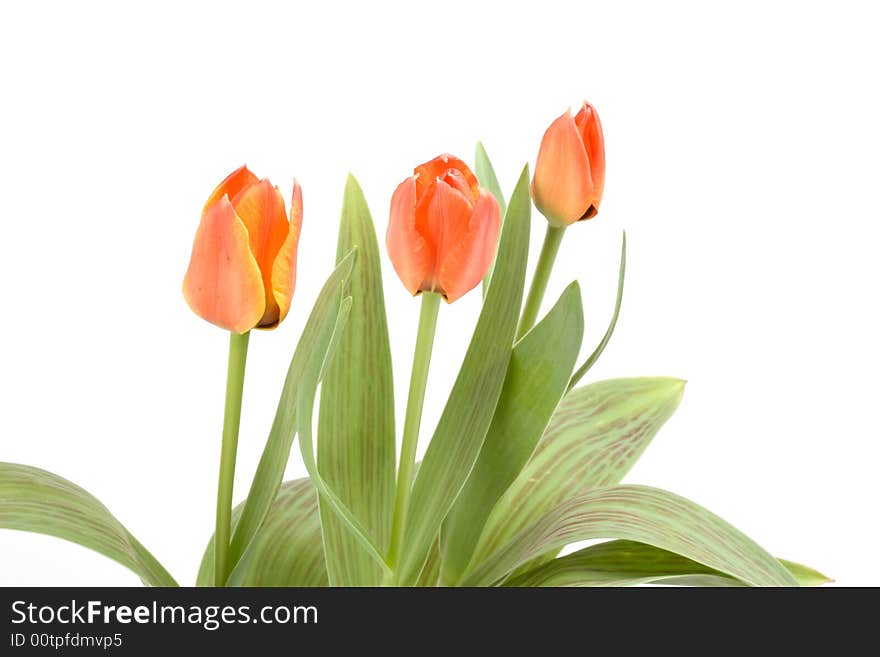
[
  {"x": 443, "y": 229},
  {"x": 570, "y": 171},
  {"x": 242, "y": 271}
]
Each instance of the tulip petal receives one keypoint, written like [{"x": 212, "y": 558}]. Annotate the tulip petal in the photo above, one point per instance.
[
  {"x": 562, "y": 187},
  {"x": 232, "y": 185},
  {"x": 455, "y": 179},
  {"x": 465, "y": 265},
  {"x": 442, "y": 167},
  {"x": 590, "y": 129},
  {"x": 284, "y": 267},
  {"x": 261, "y": 207},
  {"x": 443, "y": 218},
  {"x": 223, "y": 283},
  {"x": 407, "y": 249}
]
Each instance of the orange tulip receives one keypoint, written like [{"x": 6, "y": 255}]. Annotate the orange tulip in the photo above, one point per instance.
[
  {"x": 570, "y": 171},
  {"x": 243, "y": 267},
  {"x": 443, "y": 229}
]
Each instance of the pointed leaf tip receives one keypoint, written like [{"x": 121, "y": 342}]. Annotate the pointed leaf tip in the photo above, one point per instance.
[
  {"x": 355, "y": 446},
  {"x": 351, "y": 181}
]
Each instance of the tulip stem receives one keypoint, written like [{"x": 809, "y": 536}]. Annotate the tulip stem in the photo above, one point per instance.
[
  {"x": 238, "y": 346},
  {"x": 417, "y": 384},
  {"x": 552, "y": 240}
]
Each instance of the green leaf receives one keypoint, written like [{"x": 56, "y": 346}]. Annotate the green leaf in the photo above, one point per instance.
[
  {"x": 318, "y": 363},
  {"x": 430, "y": 575},
  {"x": 615, "y": 563},
  {"x": 537, "y": 377},
  {"x": 583, "y": 369},
  {"x": 356, "y": 443},
  {"x": 595, "y": 436},
  {"x": 287, "y": 549},
  {"x": 642, "y": 514},
  {"x": 270, "y": 471},
  {"x": 34, "y": 500},
  {"x": 626, "y": 563},
  {"x": 805, "y": 575},
  {"x": 487, "y": 178},
  {"x": 462, "y": 427}
]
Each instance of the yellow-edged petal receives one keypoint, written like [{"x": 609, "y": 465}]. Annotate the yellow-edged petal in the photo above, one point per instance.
[
  {"x": 284, "y": 267},
  {"x": 261, "y": 208},
  {"x": 232, "y": 185}
]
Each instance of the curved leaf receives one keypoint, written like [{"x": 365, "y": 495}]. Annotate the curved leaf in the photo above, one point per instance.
[
  {"x": 34, "y": 500},
  {"x": 287, "y": 549},
  {"x": 805, "y": 575},
  {"x": 318, "y": 363},
  {"x": 462, "y": 427},
  {"x": 614, "y": 563},
  {"x": 356, "y": 441},
  {"x": 621, "y": 274},
  {"x": 270, "y": 471},
  {"x": 645, "y": 515},
  {"x": 626, "y": 563},
  {"x": 594, "y": 438},
  {"x": 537, "y": 377}
]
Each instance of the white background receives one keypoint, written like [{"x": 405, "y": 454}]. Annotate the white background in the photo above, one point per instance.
[{"x": 742, "y": 149}]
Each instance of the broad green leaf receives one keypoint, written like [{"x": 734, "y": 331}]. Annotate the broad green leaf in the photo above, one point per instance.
[
  {"x": 594, "y": 438},
  {"x": 487, "y": 178},
  {"x": 583, "y": 369},
  {"x": 287, "y": 549},
  {"x": 804, "y": 575},
  {"x": 641, "y": 514},
  {"x": 537, "y": 377},
  {"x": 615, "y": 563},
  {"x": 356, "y": 441},
  {"x": 430, "y": 575},
  {"x": 462, "y": 427},
  {"x": 626, "y": 563},
  {"x": 33, "y": 500},
  {"x": 270, "y": 471},
  {"x": 319, "y": 361}
]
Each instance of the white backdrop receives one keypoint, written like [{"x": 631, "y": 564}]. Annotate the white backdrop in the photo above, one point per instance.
[{"x": 742, "y": 149}]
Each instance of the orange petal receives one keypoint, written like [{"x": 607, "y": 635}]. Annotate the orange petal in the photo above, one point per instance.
[
  {"x": 590, "y": 128},
  {"x": 443, "y": 222},
  {"x": 407, "y": 249},
  {"x": 437, "y": 169},
  {"x": 465, "y": 265},
  {"x": 233, "y": 184},
  {"x": 562, "y": 188},
  {"x": 284, "y": 267},
  {"x": 261, "y": 208},
  {"x": 223, "y": 283},
  {"x": 459, "y": 181}
]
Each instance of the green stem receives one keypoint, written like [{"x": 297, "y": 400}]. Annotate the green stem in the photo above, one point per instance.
[
  {"x": 417, "y": 384},
  {"x": 238, "y": 346},
  {"x": 552, "y": 240}
]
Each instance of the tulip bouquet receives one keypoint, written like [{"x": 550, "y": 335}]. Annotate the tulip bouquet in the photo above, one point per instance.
[{"x": 524, "y": 460}]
